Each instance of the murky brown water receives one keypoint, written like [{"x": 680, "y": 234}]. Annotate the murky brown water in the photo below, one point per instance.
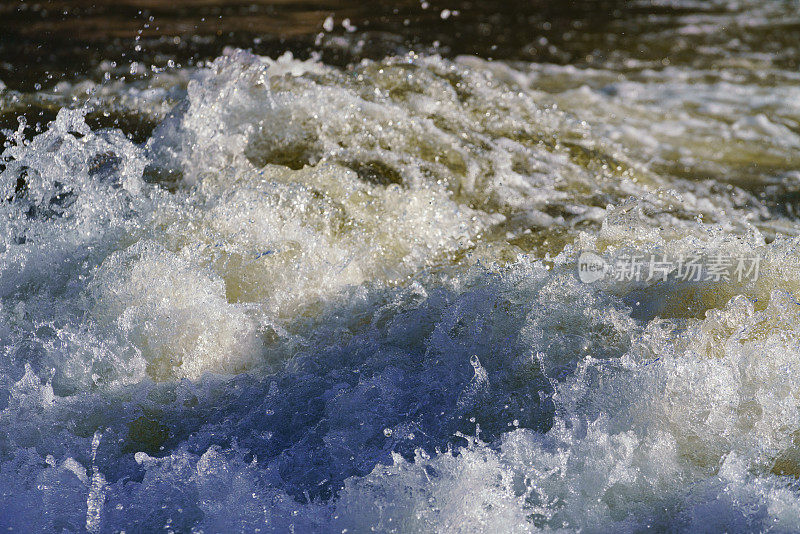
[{"x": 42, "y": 42}]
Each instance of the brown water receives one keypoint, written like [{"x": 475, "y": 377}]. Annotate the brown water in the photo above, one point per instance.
[{"x": 41, "y": 42}]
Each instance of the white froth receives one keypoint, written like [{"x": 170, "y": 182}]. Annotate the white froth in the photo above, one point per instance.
[{"x": 286, "y": 309}]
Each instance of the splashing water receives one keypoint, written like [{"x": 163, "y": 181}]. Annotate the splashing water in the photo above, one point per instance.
[{"x": 336, "y": 299}]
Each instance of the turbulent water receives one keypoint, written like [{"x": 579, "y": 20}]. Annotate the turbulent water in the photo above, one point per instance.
[{"x": 321, "y": 298}]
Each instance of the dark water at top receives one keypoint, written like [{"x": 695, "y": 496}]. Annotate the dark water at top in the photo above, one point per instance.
[{"x": 42, "y": 42}]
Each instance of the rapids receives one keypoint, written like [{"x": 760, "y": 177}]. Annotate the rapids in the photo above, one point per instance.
[{"x": 344, "y": 298}]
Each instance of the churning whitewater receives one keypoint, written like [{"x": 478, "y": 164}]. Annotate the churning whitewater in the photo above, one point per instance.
[{"x": 345, "y": 299}]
